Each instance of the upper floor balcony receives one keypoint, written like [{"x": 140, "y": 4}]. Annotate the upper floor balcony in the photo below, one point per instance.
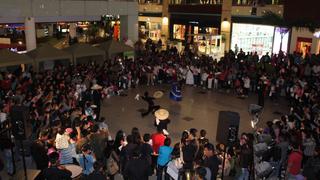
[
  {"x": 256, "y": 2},
  {"x": 150, "y": 8},
  {"x": 260, "y": 10},
  {"x": 154, "y": 2},
  {"x": 195, "y": 2}
]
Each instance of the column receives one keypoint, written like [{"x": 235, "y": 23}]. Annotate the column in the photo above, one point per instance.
[
  {"x": 73, "y": 30},
  {"x": 50, "y": 30},
  {"x": 30, "y": 33},
  {"x": 129, "y": 27},
  {"x": 165, "y": 29},
  {"x": 165, "y": 21},
  {"x": 226, "y": 24}
]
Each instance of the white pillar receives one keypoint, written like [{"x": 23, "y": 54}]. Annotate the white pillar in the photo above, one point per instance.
[
  {"x": 30, "y": 33},
  {"x": 73, "y": 30},
  {"x": 226, "y": 23},
  {"x": 129, "y": 27}
]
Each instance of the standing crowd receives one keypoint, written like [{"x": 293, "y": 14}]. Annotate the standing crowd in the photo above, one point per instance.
[{"x": 66, "y": 128}]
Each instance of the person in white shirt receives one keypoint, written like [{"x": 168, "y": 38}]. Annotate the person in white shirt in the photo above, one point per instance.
[
  {"x": 204, "y": 77},
  {"x": 246, "y": 85},
  {"x": 190, "y": 79},
  {"x": 3, "y": 116}
]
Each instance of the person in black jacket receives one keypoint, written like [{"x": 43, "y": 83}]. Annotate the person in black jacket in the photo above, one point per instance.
[
  {"x": 97, "y": 174},
  {"x": 56, "y": 171},
  {"x": 245, "y": 157},
  {"x": 151, "y": 106},
  {"x": 137, "y": 167},
  {"x": 312, "y": 168},
  {"x": 39, "y": 151},
  {"x": 261, "y": 89},
  {"x": 96, "y": 98},
  {"x": 211, "y": 160}
]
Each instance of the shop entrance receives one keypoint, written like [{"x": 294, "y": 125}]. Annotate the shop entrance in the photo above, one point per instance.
[
  {"x": 303, "y": 45},
  {"x": 208, "y": 44}
]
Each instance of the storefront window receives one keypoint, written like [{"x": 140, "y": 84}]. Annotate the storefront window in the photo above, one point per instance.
[
  {"x": 281, "y": 38},
  {"x": 150, "y": 30},
  {"x": 252, "y": 38},
  {"x": 303, "y": 45},
  {"x": 179, "y": 31}
]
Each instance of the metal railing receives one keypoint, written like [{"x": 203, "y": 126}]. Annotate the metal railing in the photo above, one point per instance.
[
  {"x": 256, "y": 2},
  {"x": 195, "y": 2},
  {"x": 156, "y": 2}
]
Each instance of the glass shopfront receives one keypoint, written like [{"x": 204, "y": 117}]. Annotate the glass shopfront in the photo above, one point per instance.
[
  {"x": 252, "y": 38},
  {"x": 281, "y": 38},
  {"x": 150, "y": 30},
  {"x": 304, "y": 45},
  {"x": 207, "y": 39},
  {"x": 179, "y": 31}
]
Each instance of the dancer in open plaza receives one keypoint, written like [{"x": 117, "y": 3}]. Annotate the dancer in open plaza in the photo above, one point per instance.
[
  {"x": 175, "y": 93},
  {"x": 151, "y": 106}
]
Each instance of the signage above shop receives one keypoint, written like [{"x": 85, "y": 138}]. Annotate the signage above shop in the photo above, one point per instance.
[{"x": 193, "y": 22}]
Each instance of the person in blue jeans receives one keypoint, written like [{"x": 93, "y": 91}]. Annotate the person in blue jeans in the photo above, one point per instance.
[
  {"x": 245, "y": 157},
  {"x": 163, "y": 159},
  {"x": 86, "y": 160}
]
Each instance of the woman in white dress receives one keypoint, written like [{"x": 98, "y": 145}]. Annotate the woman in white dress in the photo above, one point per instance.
[{"x": 189, "y": 79}]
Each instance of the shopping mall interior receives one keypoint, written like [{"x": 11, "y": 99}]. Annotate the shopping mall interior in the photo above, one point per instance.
[{"x": 159, "y": 89}]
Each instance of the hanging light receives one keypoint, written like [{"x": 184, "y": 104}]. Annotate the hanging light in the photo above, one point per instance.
[{"x": 225, "y": 25}]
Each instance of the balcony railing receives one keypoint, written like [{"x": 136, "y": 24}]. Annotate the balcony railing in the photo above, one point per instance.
[
  {"x": 194, "y": 2},
  {"x": 256, "y": 2},
  {"x": 157, "y": 2}
]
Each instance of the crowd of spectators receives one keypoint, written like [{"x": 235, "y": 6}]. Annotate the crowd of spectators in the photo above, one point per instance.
[{"x": 66, "y": 128}]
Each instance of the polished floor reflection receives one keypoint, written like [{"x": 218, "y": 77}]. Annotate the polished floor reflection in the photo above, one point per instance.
[{"x": 198, "y": 109}]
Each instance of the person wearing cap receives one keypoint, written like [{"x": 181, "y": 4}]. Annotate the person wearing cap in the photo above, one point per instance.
[{"x": 151, "y": 106}]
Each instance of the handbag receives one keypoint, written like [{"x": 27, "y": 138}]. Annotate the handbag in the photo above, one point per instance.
[
  {"x": 173, "y": 170},
  {"x": 263, "y": 169},
  {"x": 112, "y": 165}
]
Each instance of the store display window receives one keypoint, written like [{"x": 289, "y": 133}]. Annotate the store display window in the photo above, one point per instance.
[
  {"x": 303, "y": 45},
  {"x": 252, "y": 38},
  {"x": 179, "y": 31}
]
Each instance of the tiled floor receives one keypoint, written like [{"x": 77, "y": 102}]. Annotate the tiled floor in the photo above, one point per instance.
[{"x": 198, "y": 109}]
